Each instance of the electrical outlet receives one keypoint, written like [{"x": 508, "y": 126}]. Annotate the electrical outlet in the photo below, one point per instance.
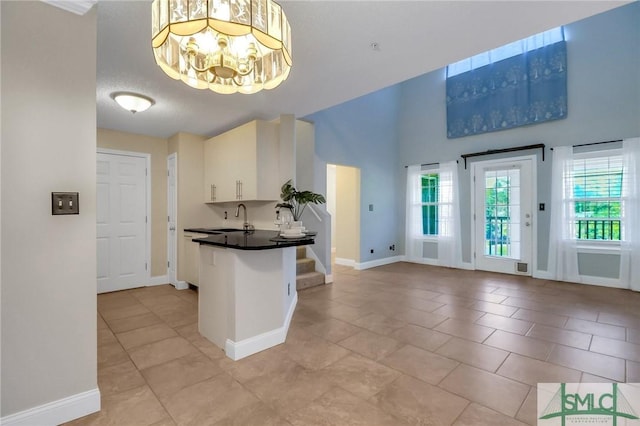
[{"x": 392, "y": 247}]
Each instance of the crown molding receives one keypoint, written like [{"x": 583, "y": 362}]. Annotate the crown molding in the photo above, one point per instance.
[{"x": 79, "y": 7}]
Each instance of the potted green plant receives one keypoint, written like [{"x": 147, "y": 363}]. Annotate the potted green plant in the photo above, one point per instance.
[{"x": 296, "y": 201}]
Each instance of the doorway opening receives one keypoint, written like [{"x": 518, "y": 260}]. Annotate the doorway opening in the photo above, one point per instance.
[{"x": 343, "y": 204}]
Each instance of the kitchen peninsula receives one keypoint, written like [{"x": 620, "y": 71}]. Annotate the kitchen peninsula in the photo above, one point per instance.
[{"x": 247, "y": 291}]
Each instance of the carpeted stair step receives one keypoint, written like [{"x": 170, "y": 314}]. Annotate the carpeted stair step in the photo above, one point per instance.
[
  {"x": 309, "y": 279},
  {"x": 301, "y": 252},
  {"x": 305, "y": 265}
]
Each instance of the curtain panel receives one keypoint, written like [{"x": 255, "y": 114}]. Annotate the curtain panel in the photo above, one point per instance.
[
  {"x": 526, "y": 89},
  {"x": 563, "y": 247},
  {"x": 449, "y": 247},
  {"x": 630, "y": 244},
  {"x": 414, "y": 236}
]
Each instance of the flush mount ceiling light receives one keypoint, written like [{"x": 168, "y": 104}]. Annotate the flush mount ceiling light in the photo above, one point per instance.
[
  {"x": 227, "y": 46},
  {"x": 132, "y": 101}
]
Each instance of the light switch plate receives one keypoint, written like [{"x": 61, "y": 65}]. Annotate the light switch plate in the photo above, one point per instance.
[{"x": 64, "y": 203}]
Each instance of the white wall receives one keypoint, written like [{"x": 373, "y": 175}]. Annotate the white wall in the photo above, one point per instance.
[{"x": 48, "y": 136}]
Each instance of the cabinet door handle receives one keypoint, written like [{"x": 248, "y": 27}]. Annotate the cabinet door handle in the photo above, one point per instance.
[
  {"x": 237, "y": 190},
  {"x": 240, "y": 184},
  {"x": 214, "y": 192}
]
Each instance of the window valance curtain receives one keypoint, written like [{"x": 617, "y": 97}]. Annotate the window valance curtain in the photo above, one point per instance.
[{"x": 524, "y": 89}]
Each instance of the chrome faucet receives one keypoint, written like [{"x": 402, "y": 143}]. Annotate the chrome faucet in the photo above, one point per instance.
[{"x": 245, "y": 225}]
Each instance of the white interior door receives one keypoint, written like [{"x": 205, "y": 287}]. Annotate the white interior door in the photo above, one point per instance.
[
  {"x": 172, "y": 199},
  {"x": 121, "y": 195},
  {"x": 503, "y": 219}
]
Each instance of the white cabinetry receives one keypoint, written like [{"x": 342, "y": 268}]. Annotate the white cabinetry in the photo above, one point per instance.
[
  {"x": 242, "y": 164},
  {"x": 192, "y": 258}
]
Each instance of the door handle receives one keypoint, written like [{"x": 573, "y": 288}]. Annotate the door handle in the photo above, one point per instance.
[
  {"x": 172, "y": 228},
  {"x": 527, "y": 224}
]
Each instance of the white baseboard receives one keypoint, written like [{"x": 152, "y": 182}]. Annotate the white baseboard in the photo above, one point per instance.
[
  {"x": 255, "y": 344},
  {"x": 158, "y": 280},
  {"x": 377, "y": 262},
  {"x": 466, "y": 265},
  {"x": 57, "y": 412},
  {"x": 424, "y": 261},
  {"x": 543, "y": 275},
  {"x": 328, "y": 278},
  {"x": 181, "y": 285},
  {"x": 434, "y": 262},
  {"x": 583, "y": 279},
  {"x": 601, "y": 281},
  {"x": 345, "y": 262}
]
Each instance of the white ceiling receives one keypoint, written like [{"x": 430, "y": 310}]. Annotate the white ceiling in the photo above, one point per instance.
[{"x": 333, "y": 58}]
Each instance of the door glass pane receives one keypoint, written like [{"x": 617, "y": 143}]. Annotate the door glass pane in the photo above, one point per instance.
[{"x": 502, "y": 213}]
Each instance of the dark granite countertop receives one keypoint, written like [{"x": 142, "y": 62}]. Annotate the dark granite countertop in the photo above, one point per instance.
[{"x": 251, "y": 240}]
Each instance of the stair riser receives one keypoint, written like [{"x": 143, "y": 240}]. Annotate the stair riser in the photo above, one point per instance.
[
  {"x": 306, "y": 266},
  {"x": 301, "y": 252},
  {"x": 308, "y": 282}
]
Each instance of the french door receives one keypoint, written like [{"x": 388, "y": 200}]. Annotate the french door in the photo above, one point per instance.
[{"x": 504, "y": 199}]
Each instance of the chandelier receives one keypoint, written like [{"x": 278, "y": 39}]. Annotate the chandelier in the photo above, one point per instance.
[{"x": 227, "y": 46}]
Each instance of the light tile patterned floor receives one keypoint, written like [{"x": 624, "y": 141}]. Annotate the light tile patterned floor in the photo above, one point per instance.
[{"x": 394, "y": 345}]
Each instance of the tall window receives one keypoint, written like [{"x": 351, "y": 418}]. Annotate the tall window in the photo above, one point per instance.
[
  {"x": 433, "y": 213},
  {"x": 430, "y": 188},
  {"x": 507, "y": 51},
  {"x": 596, "y": 186}
]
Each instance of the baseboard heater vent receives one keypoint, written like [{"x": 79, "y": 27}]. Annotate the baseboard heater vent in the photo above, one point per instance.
[{"x": 522, "y": 267}]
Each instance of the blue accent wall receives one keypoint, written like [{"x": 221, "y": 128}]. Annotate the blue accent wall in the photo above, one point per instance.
[
  {"x": 406, "y": 124},
  {"x": 362, "y": 133}
]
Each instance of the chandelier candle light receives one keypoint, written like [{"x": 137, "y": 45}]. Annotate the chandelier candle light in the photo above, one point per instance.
[{"x": 227, "y": 46}]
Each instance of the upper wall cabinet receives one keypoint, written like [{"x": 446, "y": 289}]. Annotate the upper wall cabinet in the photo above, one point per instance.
[{"x": 242, "y": 164}]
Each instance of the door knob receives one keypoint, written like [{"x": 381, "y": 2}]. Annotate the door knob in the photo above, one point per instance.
[
  {"x": 527, "y": 224},
  {"x": 172, "y": 228}
]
